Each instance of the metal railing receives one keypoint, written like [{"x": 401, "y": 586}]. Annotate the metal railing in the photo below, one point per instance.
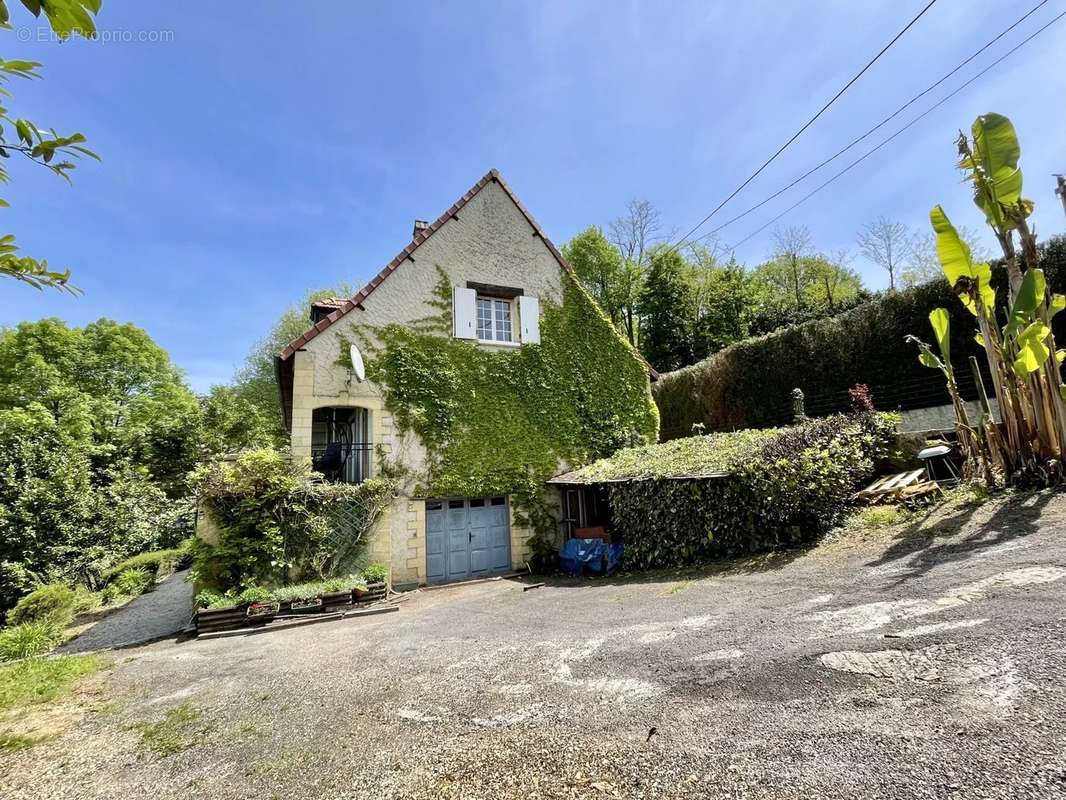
[{"x": 343, "y": 462}]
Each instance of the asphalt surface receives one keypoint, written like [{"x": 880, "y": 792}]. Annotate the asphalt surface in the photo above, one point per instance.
[
  {"x": 161, "y": 612},
  {"x": 922, "y": 662}
]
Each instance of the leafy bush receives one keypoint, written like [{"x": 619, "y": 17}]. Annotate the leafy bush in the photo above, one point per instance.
[
  {"x": 300, "y": 591},
  {"x": 52, "y": 604},
  {"x": 86, "y": 600},
  {"x": 63, "y": 518},
  {"x": 128, "y": 583},
  {"x": 749, "y": 384},
  {"x": 254, "y": 594},
  {"x": 28, "y": 639},
  {"x": 375, "y": 573},
  {"x": 210, "y": 599},
  {"x": 779, "y": 487},
  {"x": 277, "y": 519},
  {"x": 159, "y": 563},
  {"x": 232, "y": 599}
]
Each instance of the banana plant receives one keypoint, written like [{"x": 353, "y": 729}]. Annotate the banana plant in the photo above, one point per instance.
[
  {"x": 972, "y": 440},
  {"x": 1030, "y": 440},
  {"x": 991, "y": 165}
]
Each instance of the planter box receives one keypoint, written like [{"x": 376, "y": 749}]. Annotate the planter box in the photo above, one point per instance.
[
  {"x": 260, "y": 612},
  {"x": 336, "y": 599},
  {"x": 306, "y": 606},
  {"x": 220, "y": 619},
  {"x": 371, "y": 594}
]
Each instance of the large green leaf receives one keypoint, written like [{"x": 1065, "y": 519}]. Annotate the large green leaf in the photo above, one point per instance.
[
  {"x": 954, "y": 255},
  {"x": 1032, "y": 350},
  {"x": 65, "y": 16},
  {"x": 1058, "y": 302},
  {"x": 941, "y": 322},
  {"x": 1030, "y": 295},
  {"x": 995, "y": 154},
  {"x": 925, "y": 355}
]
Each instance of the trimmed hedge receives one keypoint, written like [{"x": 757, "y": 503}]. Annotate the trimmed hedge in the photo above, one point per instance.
[
  {"x": 749, "y": 384},
  {"x": 787, "y": 489}
]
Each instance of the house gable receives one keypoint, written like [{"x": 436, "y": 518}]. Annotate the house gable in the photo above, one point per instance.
[
  {"x": 410, "y": 253},
  {"x": 486, "y": 237}
]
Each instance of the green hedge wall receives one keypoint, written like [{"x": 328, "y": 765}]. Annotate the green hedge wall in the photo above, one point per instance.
[
  {"x": 788, "y": 490},
  {"x": 749, "y": 384}
]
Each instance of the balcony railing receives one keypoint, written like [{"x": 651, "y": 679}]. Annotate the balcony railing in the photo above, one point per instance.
[{"x": 343, "y": 462}]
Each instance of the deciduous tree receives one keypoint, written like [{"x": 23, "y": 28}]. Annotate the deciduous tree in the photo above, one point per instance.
[
  {"x": 599, "y": 265},
  {"x": 924, "y": 264},
  {"x": 668, "y": 310},
  {"x": 888, "y": 244},
  {"x": 634, "y": 234},
  {"x": 791, "y": 248},
  {"x": 255, "y": 382}
]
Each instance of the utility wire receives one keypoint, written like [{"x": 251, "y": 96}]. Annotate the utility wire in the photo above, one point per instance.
[
  {"x": 807, "y": 124},
  {"x": 910, "y": 124},
  {"x": 875, "y": 128}
]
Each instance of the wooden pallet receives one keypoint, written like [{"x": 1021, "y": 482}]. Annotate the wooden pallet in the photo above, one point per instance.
[{"x": 899, "y": 486}]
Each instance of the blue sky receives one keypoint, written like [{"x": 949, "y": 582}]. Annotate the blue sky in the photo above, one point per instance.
[{"x": 270, "y": 147}]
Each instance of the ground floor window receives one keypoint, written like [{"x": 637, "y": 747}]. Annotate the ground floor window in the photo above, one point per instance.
[{"x": 341, "y": 446}]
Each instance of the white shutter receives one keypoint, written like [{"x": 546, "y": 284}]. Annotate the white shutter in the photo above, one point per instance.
[
  {"x": 464, "y": 313},
  {"x": 529, "y": 319}
]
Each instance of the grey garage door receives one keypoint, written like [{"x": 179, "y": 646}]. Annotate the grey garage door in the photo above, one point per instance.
[{"x": 467, "y": 537}]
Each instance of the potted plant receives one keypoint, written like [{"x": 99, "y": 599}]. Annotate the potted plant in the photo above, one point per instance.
[
  {"x": 306, "y": 605},
  {"x": 260, "y": 605},
  {"x": 373, "y": 582},
  {"x": 303, "y": 598},
  {"x": 336, "y": 592}
]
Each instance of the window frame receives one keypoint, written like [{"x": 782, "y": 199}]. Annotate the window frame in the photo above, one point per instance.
[{"x": 496, "y": 325}]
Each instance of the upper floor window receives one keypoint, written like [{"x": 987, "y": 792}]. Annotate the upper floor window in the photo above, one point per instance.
[
  {"x": 493, "y": 319},
  {"x": 495, "y": 315}
]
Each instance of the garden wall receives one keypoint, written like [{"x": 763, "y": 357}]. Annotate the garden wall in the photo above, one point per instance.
[{"x": 749, "y": 384}]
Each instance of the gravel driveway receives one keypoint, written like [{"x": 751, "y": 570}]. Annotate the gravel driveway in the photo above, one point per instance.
[
  {"x": 923, "y": 662},
  {"x": 161, "y": 612}
]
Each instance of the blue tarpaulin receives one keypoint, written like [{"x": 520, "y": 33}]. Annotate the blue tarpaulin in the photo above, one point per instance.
[{"x": 592, "y": 555}]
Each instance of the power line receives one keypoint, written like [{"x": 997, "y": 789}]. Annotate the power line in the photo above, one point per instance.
[
  {"x": 910, "y": 124},
  {"x": 807, "y": 124},
  {"x": 875, "y": 128}
]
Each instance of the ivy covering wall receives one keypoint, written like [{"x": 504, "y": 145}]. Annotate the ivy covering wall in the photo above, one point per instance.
[
  {"x": 749, "y": 385},
  {"x": 501, "y": 421}
]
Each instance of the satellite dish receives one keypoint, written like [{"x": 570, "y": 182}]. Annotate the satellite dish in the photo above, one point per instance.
[{"x": 357, "y": 364}]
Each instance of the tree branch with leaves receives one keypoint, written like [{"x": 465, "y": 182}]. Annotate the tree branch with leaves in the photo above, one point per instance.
[{"x": 43, "y": 146}]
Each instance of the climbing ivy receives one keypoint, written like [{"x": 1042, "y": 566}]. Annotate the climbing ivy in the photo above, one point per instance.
[{"x": 502, "y": 422}]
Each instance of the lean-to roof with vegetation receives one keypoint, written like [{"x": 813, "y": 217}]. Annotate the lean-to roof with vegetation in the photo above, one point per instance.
[{"x": 709, "y": 456}]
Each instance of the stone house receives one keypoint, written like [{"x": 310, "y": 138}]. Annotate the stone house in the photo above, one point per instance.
[{"x": 502, "y": 270}]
